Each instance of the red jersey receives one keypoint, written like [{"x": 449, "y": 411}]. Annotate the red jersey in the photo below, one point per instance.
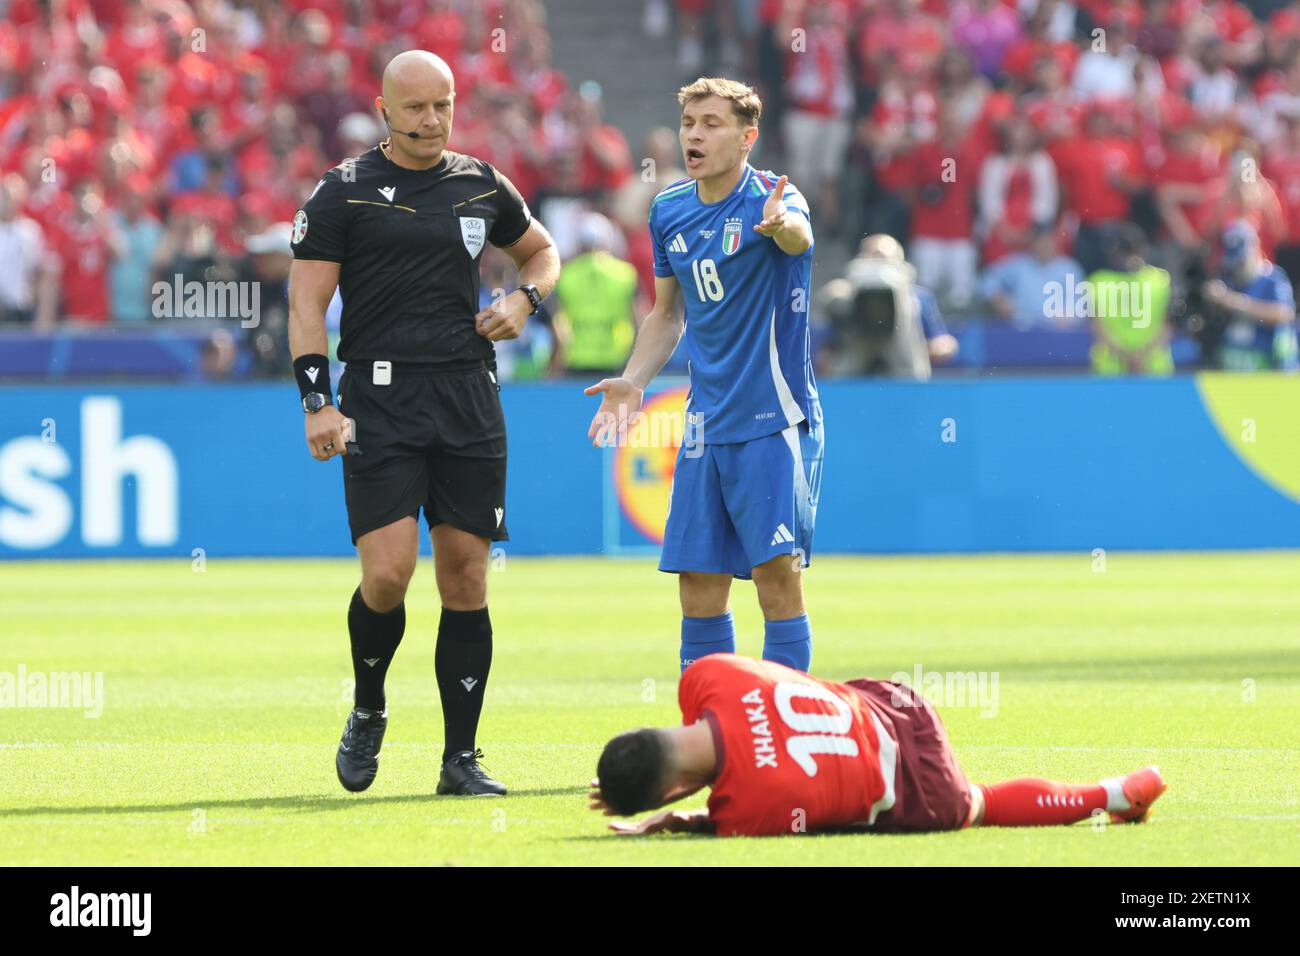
[
  {"x": 945, "y": 199},
  {"x": 794, "y": 753},
  {"x": 1088, "y": 170},
  {"x": 86, "y": 260},
  {"x": 1282, "y": 167}
]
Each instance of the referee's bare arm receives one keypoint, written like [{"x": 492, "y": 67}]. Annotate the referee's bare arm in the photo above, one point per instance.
[
  {"x": 656, "y": 339},
  {"x": 538, "y": 262},
  {"x": 311, "y": 286}
]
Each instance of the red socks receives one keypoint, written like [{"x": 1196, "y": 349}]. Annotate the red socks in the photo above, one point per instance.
[{"x": 1035, "y": 802}]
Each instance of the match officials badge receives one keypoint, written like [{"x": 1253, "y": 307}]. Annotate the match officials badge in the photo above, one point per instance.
[
  {"x": 299, "y": 227},
  {"x": 731, "y": 236},
  {"x": 473, "y": 231}
]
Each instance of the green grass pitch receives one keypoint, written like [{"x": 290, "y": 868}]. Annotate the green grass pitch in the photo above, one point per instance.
[{"x": 225, "y": 694}]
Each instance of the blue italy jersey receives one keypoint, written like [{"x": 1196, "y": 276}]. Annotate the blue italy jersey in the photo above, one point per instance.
[{"x": 746, "y": 309}]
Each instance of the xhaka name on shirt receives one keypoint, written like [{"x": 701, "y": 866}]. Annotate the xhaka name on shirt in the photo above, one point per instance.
[{"x": 764, "y": 752}]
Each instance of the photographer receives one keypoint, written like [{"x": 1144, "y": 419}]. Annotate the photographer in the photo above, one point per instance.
[
  {"x": 882, "y": 322},
  {"x": 1255, "y": 303}
]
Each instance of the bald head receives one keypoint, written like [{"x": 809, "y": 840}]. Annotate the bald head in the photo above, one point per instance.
[
  {"x": 418, "y": 94},
  {"x": 881, "y": 246},
  {"x": 416, "y": 70}
]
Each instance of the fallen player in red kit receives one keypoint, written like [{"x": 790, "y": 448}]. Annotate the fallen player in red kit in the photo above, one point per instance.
[{"x": 783, "y": 752}]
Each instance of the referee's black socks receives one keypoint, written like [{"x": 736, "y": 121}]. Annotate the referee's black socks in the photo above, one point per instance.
[
  {"x": 462, "y": 661},
  {"x": 375, "y": 637}
]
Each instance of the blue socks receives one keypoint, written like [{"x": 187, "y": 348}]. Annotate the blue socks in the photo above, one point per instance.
[
  {"x": 707, "y": 635},
  {"x": 789, "y": 642}
]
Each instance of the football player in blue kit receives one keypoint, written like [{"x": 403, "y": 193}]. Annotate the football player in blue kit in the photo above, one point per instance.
[{"x": 737, "y": 244}]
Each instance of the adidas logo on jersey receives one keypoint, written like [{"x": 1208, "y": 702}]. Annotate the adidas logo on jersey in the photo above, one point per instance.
[
  {"x": 782, "y": 535},
  {"x": 678, "y": 244}
]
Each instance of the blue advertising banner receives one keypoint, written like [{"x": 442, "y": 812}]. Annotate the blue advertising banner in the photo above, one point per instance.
[{"x": 1211, "y": 461}]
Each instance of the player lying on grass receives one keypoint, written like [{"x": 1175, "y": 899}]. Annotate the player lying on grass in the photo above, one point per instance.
[{"x": 783, "y": 752}]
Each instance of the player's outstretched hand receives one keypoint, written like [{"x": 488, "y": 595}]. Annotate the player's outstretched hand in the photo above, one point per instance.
[
  {"x": 328, "y": 433},
  {"x": 620, "y": 399},
  {"x": 670, "y": 821},
  {"x": 504, "y": 318},
  {"x": 773, "y": 210}
]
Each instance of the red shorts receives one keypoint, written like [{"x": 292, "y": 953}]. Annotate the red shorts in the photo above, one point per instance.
[{"x": 930, "y": 791}]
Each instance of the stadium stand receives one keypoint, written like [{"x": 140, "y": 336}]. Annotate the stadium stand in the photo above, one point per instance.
[{"x": 145, "y": 140}]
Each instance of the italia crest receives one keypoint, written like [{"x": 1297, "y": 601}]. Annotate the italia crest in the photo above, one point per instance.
[{"x": 731, "y": 236}]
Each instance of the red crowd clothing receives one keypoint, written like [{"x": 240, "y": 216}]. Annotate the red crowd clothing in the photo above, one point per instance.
[
  {"x": 951, "y": 174},
  {"x": 1200, "y": 167},
  {"x": 1090, "y": 165},
  {"x": 85, "y": 258},
  {"x": 1282, "y": 168}
]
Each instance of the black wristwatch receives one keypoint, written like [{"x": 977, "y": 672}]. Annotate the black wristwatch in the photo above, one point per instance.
[
  {"x": 534, "y": 296},
  {"x": 313, "y": 402}
]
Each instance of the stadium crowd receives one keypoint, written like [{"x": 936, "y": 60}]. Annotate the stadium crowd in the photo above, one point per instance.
[
  {"x": 1022, "y": 145},
  {"x": 1008, "y": 145}
]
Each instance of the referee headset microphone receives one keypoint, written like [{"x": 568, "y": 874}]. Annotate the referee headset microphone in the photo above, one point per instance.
[{"x": 414, "y": 134}]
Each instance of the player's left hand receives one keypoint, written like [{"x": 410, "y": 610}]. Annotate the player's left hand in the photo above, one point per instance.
[
  {"x": 504, "y": 318},
  {"x": 773, "y": 211},
  {"x": 597, "y": 802}
]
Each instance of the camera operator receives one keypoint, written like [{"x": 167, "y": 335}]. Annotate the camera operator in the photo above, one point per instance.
[
  {"x": 1256, "y": 305},
  {"x": 882, "y": 322}
]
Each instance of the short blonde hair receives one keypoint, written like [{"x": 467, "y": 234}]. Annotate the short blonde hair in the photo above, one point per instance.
[{"x": 744, "y": 101}]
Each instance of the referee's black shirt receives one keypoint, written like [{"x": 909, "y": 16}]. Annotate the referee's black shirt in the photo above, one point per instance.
[{"x": 408, "y": 243}]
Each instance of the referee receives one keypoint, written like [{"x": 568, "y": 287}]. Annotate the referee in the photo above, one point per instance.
[{"x": 398, "y": 230}]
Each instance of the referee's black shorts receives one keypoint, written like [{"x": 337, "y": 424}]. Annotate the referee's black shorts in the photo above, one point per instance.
[{"x": 429, "y": 439}]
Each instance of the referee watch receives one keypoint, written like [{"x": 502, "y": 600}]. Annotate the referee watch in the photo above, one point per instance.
[
  {"x": 534, "y": 297},
  {"x": 313, "y": 402}
]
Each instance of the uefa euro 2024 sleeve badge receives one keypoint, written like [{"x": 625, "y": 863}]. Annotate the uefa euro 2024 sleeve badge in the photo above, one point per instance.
[{"x": 731, "y": 236}]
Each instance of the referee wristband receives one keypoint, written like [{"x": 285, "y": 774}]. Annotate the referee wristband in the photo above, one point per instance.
[{"x": 312, "y": 372}]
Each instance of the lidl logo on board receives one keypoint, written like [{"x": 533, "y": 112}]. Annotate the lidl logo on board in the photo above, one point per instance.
[{"x": 645, "y": 461}]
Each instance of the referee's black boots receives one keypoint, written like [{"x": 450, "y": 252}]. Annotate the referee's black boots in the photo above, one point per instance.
[
  {"x": 358, "y": 758},
  {"x": 462, "y": 776}
]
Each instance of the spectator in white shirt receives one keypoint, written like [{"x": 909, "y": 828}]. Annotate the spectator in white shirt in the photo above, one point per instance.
[
  {"x": 1106, "y": 68},
  {"x": 24, "y": 279}
]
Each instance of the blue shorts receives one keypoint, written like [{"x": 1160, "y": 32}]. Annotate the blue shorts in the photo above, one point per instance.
[{"x": 736, "y": 506}]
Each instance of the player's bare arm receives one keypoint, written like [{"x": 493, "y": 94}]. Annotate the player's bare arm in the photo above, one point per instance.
[
  {"x": 311, "y": 286},
  {"x": 656, "y": 339},
  {"x": 535, "y": 256},
  {"x": 792, "y": 234}
]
